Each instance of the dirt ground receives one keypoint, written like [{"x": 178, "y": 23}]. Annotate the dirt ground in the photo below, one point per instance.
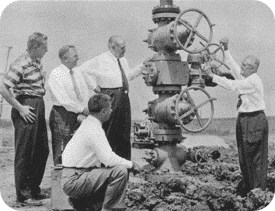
[{"x": 197, "y": 187}]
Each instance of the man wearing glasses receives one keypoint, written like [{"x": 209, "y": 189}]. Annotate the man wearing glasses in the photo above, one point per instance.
[
  {"x": 252, "y": 125},
  {"x": 110, "y": 73}
]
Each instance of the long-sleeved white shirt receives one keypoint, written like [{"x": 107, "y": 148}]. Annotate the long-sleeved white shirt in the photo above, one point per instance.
[
  {"x": 62, "y": 89},
  {"x": 89, "y": 147},
  {"x": 250, "y": 89},
  {"x": 103, "y": 71}
]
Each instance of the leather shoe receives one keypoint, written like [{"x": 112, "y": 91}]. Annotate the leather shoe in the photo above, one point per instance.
[
  {"x": 40, "y": 196},
  {"x": 30, "y": 202},
  {"x": 77, "y": 204}
]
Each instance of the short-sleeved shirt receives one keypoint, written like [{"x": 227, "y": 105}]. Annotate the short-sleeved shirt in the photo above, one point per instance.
[{"x": 25, "y": 77}]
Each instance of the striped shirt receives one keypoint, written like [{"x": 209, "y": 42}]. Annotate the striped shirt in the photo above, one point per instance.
[{"x": 25, "y": 77}]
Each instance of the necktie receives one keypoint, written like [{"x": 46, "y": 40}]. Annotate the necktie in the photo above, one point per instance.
[
  {"x": 76, "y": 89},
  {"x": 239, "y": 103},
  {"x": 125, "y": 84}
]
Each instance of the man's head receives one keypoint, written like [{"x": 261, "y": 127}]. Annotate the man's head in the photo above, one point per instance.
[
  {"x": 68, "y": 56},
  {"x": 99, "y": 105},
  {"x": 117, "y": 46},
  {"x": 37, "y": 45},
  {"x": 249, "y": 66}
]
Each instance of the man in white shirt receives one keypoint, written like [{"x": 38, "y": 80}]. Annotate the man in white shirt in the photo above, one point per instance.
[
  {"x": 110, "y": 73},
  {"x": 252, "y": 125},
  {"x": 69, "y": 94},
  {"x": 90, "y": 165}
]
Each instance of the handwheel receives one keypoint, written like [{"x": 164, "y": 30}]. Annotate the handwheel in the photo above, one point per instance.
[
  {"x": 201, "y": 157},
  {"x": 199, "y": 123},
  {"x": 192, "y": 31},
  {"x": 214, "y": 54}
]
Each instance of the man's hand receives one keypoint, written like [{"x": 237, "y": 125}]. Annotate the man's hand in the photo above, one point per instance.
[
  {"x": 27, "y": 114},
  {"x": 209, "y": 72},
  {"x": 135, "y": 168},
  {"x": 224, "y": 41},
  {"x": 97, "y": 89},
  {"x": 148, "y": 60}
]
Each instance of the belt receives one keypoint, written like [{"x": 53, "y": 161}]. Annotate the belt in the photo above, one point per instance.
[
  {"x": 84, "y": 169},
  {"x": 80, "y": 169},
  {"x": 117, "y": 88},
  {"x": 251, "y": 113},
  {"x": 28, "y": 96}
]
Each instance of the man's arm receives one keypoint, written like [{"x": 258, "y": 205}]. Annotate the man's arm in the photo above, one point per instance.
[
  {"x": 137, "y": 70},
  {"x": 234, "y": 67},
  {"x": 242, "y": 86},
  {"x": 24, "y": 110},
  {"x": 89, "y": 70},
  {"x": 102, "y": 149}
]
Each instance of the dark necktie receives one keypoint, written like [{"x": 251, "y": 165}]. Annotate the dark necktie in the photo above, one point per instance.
[
  {"x": 125, "y": 84},
  {"x": 239, "y": 103},
  {"x": 76, "y": 89}
]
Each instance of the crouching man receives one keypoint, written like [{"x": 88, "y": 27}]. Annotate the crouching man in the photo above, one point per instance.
[{"x": 92, "y": 171}]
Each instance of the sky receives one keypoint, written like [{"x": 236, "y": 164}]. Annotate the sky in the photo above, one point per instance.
[{"x": 248, "y": 24}]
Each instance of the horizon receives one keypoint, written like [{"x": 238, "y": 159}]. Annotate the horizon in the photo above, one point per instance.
[{"x": 249, "y": 25}]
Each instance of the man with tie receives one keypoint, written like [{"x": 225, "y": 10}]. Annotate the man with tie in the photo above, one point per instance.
[
  {"x": 69, "y": 94},
  {"x": 110, "y": 72},
  {"x": 252, "y": 125}
]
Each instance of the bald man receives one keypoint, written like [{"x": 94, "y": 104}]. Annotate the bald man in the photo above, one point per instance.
[
  {"x": 109, "y": 73},
  {"x": 252, "y": 125}
]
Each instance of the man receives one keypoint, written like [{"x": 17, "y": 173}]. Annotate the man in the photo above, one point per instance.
[
  {"x": 252, "y": 125},
  {"x": 90, "y": 165},
  {"x": 110, "y": 73},
  {"x": 26, "y": 79},
  {"x": 69, "y": 94}
]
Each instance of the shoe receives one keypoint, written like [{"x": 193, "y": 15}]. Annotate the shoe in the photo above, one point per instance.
[
  {"x": 77, "y": 204},
  {"x": 40, "y": 196},
  {"x": 29, "y": 202},
  {"x": 241, "y": 189}
]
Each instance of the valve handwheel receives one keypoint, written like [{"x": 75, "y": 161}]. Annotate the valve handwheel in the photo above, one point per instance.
[
  {"x": 193, "y": 31},
  {"x": 201, "y": 157},
  {"x": 203, "y": 122},
  {"x": 215, "y": 55}
]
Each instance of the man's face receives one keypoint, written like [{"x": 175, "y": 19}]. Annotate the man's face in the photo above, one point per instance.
[
  {"x": 72, "y": 57},
  {"x": 247, "y": 67},
  {"x": 41, "y": 50},
  {"x": 120, "y": 49}
]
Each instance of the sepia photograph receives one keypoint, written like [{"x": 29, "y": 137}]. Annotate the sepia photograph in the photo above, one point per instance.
[{"x": 137, "y": 105}]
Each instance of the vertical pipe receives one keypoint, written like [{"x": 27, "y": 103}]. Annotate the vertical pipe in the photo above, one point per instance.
[{"x": 166, "y": 2}]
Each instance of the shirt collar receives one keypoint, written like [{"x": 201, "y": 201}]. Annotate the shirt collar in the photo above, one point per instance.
[
  {"x": 65, "y": 68},
  {"x": 30, "y": 61},
  {"x": 93, "y": 119},
  {"x": 113, "y": 57}
]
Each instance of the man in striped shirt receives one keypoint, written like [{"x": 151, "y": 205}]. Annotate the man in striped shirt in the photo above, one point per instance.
[{"x": 23, "y": 88}]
